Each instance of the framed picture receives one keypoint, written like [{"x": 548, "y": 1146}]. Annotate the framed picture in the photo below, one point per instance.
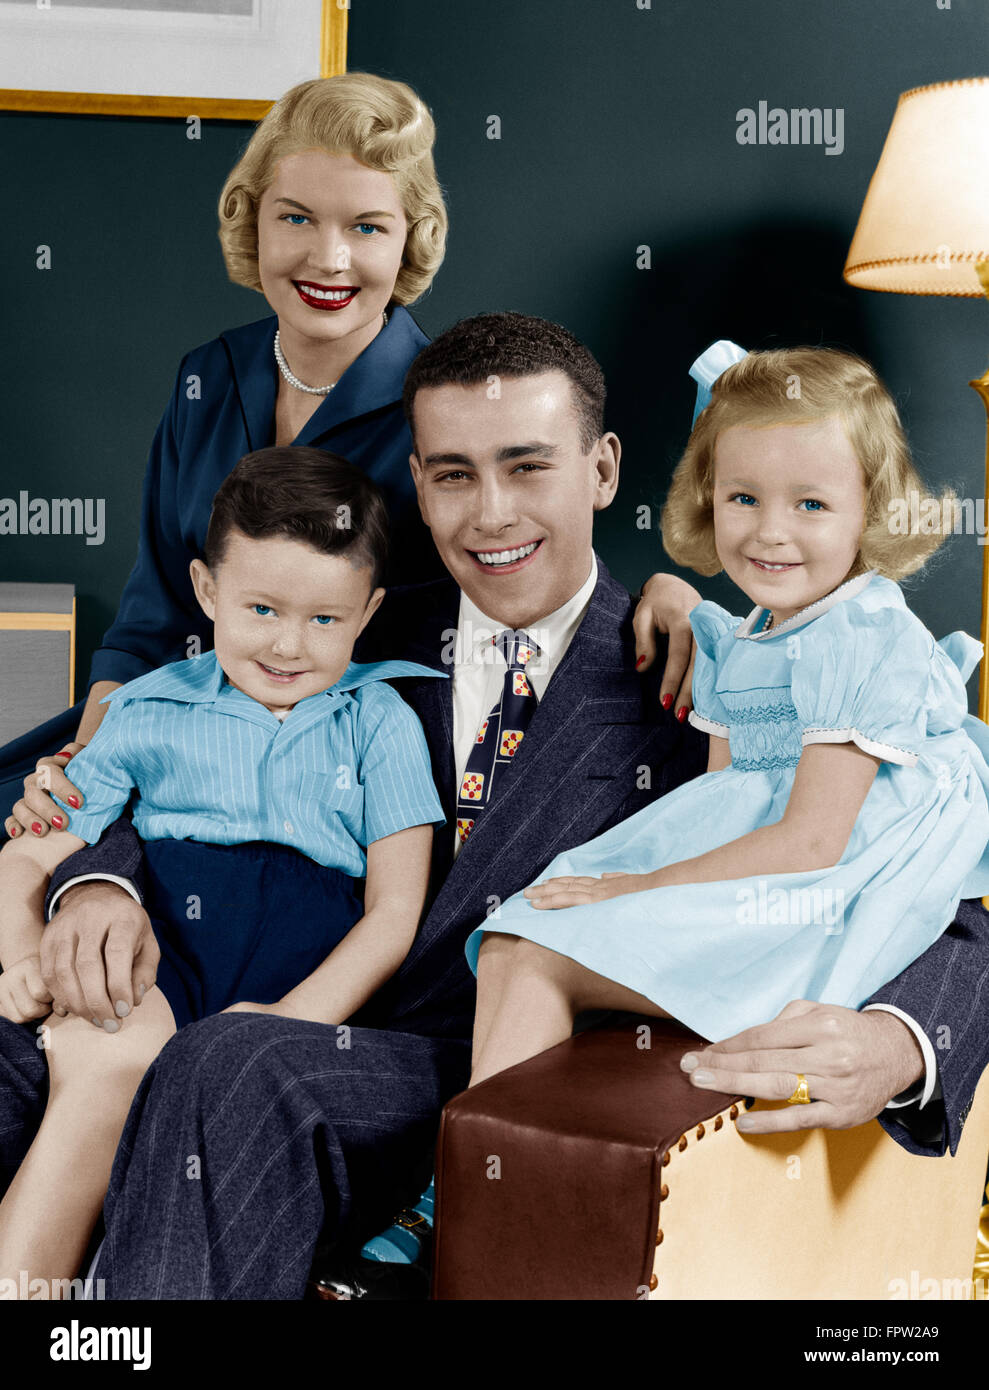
[{"x": 222, "y": 59}]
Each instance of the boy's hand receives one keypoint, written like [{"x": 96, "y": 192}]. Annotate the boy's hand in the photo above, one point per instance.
[{"x": 23, "y": 992}]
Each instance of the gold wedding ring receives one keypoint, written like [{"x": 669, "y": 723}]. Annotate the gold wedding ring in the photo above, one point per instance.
[{"x": 801, "y": 1095}]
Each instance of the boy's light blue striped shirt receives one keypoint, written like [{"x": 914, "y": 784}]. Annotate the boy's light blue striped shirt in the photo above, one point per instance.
[{"x": 345, "y": 768}]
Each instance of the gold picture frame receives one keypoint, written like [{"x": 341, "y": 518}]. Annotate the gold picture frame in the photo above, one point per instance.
[{"x": 332, "y": 60}]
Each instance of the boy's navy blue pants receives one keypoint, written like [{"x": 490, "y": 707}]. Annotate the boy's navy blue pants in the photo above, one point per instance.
[{"x": 321, "y": 1130}]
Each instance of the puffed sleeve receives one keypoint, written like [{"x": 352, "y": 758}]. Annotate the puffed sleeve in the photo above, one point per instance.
[
  {"x": 864, "y": 677},
  {"x": 395, "y": 769},
  {"x": 102, "y": 776},
  {"x": 710, "y": 623}
]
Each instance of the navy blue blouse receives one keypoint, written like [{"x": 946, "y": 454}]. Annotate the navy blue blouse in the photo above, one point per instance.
[{"x": 222, "y": 407}]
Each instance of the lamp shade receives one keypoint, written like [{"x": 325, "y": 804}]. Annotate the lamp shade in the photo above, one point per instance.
[{"x": 925, "y": 222}]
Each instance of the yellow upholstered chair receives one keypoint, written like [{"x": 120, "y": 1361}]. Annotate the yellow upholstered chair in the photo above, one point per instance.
[{"x": 596, "y": 1171}]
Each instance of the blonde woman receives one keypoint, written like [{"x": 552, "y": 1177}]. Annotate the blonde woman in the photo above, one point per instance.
[{"x": 335, "y": 215}]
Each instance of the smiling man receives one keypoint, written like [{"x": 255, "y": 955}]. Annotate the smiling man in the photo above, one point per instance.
[{"x": 513, "y": 521}]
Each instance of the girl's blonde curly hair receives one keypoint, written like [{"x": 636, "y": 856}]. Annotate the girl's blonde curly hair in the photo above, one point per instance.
[
  {"x": 795, "y": 386},
  {"x": 381, "y": 123}
]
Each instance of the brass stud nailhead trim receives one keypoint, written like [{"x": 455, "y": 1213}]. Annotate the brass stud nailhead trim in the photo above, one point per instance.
[
  {"x": 666, "y": 1158},
  {"x": 733, "y": 1113},
  {"x": 683, "y": 1143},
  {"x": 664, "y": 1192},
  {"x": 659, "y": 1237},
  {"x": 718, "y": 1122},
  {"x": 653, "y": 1283},
  {"x": 700, "y": 1131}
]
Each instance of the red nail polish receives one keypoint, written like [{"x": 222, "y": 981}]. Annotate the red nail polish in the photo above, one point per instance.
[
  {"x": 682, "y": 713},
  {"x": 639, "y": 661},
  {"x": 57, "y": 822},
  {"x": 667, "y": 701},
  {"x": 36, "y": 827},
  {"x": 63, "y": 754},
  {"x": 73, "y": 801},
  {"x": 14, "y": 831}
]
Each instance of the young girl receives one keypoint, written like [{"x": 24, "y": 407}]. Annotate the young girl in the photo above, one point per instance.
[
  {"x": 844, "y": 812},
  {"x": 286, "y": 803}
]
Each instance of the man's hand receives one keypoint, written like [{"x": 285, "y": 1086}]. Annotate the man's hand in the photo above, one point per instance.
[
  {"x": 664, "y": 607},
  {"x": 99, "y": 955},
  {"x": 855, "y": 1063}
]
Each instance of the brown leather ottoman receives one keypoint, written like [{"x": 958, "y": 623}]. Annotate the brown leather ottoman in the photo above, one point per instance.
[{"x": 551, "y": 1189}]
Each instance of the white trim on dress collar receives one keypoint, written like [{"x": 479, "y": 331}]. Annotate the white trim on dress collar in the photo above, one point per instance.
[{"x": 849, "y": 589}]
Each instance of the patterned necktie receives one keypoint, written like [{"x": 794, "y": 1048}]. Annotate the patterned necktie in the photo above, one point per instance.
[{"x": 500, "y": 734}]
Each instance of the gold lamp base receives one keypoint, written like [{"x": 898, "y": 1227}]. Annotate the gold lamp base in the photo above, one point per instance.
[{"x": 981, "y": 384}]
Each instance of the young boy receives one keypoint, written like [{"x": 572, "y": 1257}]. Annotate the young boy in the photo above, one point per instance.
[{"x": 272, "y": 776}]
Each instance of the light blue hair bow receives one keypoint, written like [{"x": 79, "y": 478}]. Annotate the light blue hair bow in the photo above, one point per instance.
[{"x": 709, "y": 366}]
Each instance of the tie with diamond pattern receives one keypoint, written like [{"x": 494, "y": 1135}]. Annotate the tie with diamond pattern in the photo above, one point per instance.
[{"x": 500, "y": 734}]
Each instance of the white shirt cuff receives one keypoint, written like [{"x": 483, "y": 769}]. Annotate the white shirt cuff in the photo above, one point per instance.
[
  {"x": 930, "y": 1062},
  {"x": 88, "y": 878}
]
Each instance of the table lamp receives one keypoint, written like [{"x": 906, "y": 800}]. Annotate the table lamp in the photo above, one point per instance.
[
  {"x": 924, "y": 225},
  {"x": 924, "y": 229}
]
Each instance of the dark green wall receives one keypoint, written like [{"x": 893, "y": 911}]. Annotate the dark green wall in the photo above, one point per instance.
[{"x": 618, "y": 130}]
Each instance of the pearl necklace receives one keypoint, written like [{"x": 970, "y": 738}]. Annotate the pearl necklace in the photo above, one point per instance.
[{"x": 290, "y": 376}]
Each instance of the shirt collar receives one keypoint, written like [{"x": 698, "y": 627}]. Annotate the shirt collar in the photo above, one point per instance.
[
  {"x": 551, "y": 634},
  {"x": 751, "y": 627},
  {"x": 199, "y": 680}
]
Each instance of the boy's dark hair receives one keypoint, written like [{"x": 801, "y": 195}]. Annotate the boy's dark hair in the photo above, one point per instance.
[
  {"x": 308, "y": 494},
  {"x": 510, "y": 345}
]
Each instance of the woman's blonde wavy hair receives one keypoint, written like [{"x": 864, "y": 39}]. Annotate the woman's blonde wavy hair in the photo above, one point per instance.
[
  {"x": 795, "y": 386},
  {"x": 381, "y": 123}
]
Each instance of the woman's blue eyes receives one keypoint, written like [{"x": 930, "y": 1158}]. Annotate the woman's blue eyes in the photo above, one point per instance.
[
  {"x": 324, "y": 619},
  {"x": 746, "y": 499},
  {"x": 296, "y": 219}
]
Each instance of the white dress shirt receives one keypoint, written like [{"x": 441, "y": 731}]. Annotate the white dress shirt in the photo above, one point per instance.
[{"x": 479, "y": 668}]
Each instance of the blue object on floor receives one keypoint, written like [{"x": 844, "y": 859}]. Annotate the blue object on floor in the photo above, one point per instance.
[{"x": 400, "y": 1245}]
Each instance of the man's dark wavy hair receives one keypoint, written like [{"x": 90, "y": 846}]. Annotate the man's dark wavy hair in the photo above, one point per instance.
[
  {"x": 307, "y": 494},
  {"x": 510, "y": 345}
]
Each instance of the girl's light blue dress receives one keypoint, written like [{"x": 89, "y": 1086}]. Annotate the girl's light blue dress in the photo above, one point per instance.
[{"x": 855, "y": 666}]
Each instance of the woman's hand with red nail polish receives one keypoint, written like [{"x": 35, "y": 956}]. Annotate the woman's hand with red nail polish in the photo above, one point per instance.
[
  {"x": 664, "y": 609},
  {"x": 37, "y": 806}
]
